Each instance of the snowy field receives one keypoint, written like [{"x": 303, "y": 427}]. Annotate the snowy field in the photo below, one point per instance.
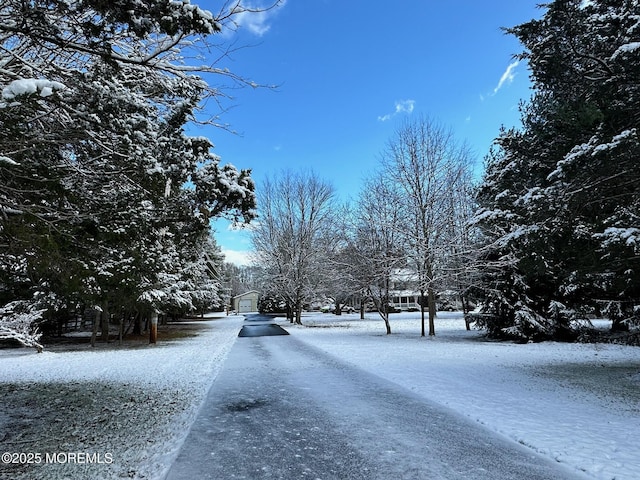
[
  {"x": 125, "y": 410},
  {"x": 131, "y": 407},
  {"x": 576, "y": 403}
]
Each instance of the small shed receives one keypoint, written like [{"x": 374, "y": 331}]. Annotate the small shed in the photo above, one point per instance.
[{"x": 246, "y": 302}]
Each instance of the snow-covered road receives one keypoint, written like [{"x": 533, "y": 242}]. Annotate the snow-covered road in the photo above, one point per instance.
[{"x": 281, "y": 408}]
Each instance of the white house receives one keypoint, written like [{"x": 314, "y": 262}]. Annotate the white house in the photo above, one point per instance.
[{"x": 403, "y": 291}]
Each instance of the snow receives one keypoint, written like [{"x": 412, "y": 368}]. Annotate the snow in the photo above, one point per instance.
[
  {"x": 7, "y": 160},
  {"x": 576, "y": 403},
  {"x": 29, "y": 86},
  {"x": 16, "y": 320},
  {"x": 629, "y": 236},
  {"x": 530, "y": 197},
  {"x": 617, "y": 140},
  {"x": 626, "y": 48},
  {"x": 134, "y": 403}
]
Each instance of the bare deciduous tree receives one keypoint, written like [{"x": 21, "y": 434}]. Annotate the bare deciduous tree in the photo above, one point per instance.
[
  {"x": 293, "y": 234},
  {"x": 428, "y": 165},
  {"x": 378, "y": 241}
]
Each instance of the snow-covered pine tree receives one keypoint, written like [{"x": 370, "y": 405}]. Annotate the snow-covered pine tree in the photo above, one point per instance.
[
  {"x": 94, "y": 157},
  {"x": 559, "y": 201}
]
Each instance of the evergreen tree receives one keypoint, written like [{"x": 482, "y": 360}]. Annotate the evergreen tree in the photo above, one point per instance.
[
  {"x": 104, "y": 194},
  {"x": 559, "y": 200}
]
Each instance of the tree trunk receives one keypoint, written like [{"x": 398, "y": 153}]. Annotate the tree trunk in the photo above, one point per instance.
[
  {"x": 385, "y": 305},
  {"x": 431, "y": 298},
  {"x": 422, "y": 332},
  {"x": 121, "y": 329},
  {"x": 137, "y": 324},
  {"x": 104, "y": 322},
  {"x": 299, "y": 314},
  {"x": 362, "y": 309},
  {"x": 387, "y": 325},
  {"x": 465, "y": 311},
  {"x": 153, "y": 328},
  {"x": 94, "y": 331}
]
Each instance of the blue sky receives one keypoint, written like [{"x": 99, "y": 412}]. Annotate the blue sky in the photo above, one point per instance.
[{"x": 350, "y": 71}]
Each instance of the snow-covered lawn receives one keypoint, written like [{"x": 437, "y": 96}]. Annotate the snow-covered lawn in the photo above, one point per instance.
[
  {"x": 125, "y": 411},
  {"x": 578, "y": 404}
]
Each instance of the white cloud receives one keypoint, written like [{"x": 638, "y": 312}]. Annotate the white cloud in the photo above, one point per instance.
[
  {"x": 507, "y": 76},
  {"x": 405, "y": 106},
  {"x": 255, "y": 18},
  {"x": 402, "y": 106},
  {"x": 237, "y": 257}
]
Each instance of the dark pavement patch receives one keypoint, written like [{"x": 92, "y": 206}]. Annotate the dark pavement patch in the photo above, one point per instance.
[
  {"x": 246, "y": 405},
  {"x": 262, "y": 330}
]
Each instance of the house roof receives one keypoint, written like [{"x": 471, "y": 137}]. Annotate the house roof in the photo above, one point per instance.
[
  {"x": 404, "y": 293},
  {"x": 247, "y": 293}
]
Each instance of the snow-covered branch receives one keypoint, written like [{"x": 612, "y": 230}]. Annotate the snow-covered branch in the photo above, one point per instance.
[{"x": 18, "y": 322}]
